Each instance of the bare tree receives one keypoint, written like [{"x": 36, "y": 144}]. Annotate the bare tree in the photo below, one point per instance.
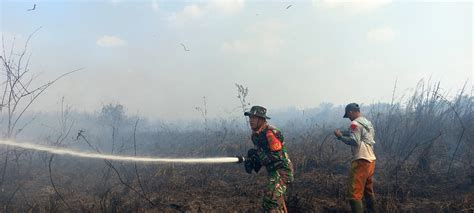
[
  {"x": 113, "y": 115},
  {"x": 18, "y": 93},
  {"x": 203, "y": 111},
  {"x": 65, "y": 126},
  {"x": 242, "y": 93}
]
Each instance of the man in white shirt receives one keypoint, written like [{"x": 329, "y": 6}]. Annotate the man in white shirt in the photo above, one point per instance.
[{"x": 360, "y": 137}]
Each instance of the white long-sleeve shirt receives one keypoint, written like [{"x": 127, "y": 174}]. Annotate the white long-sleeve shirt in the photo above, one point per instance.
[{"x": 361, "y": 139}]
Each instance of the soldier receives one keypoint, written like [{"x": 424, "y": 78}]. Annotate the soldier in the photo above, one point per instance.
[
  {"x": 361, "y": 139},
  {"x": 270, "y": 151}
]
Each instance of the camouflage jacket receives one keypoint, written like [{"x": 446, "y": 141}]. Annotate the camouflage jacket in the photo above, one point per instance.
[{"x": 271, "y": 148}]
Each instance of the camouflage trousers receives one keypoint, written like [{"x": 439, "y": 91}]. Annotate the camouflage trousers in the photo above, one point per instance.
[
  {"x": 360, "y": 179},
  {"x": 274, "y": 193}
]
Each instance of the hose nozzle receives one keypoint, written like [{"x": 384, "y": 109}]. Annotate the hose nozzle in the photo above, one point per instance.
[{"x": 241, "y": 159}]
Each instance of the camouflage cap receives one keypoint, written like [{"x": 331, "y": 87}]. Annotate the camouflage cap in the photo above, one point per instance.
[
  {"x": 258, "y": 111},
  {"x": 351, "y": 107}
]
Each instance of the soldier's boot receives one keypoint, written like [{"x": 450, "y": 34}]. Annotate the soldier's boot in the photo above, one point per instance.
[
  {"x": 370, "y": 204},
  {"x": 356, "y": 206}
]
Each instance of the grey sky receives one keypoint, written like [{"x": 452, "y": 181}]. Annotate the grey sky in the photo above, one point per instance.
[{"x": 313, "y": 52}]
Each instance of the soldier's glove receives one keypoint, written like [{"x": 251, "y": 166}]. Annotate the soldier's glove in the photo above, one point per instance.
[
  {"x": 252, "y": 162},
  {"x": 256, "y": 164},
  {"x": 248, "y": 165}
]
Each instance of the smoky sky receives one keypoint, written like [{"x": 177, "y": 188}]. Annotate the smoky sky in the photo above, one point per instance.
[{"x": 163, "y": 59}]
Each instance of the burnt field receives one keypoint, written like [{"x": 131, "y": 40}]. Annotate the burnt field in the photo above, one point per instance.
[{"x": 425, "y": 163}]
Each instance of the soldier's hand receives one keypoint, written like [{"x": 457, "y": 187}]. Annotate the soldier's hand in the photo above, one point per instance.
[
  {"x": 248, "y": 165},
  {"x": 338, "y": 133}
]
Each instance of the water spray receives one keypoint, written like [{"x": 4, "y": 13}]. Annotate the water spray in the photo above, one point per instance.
[{"x": 60, "y": 151}]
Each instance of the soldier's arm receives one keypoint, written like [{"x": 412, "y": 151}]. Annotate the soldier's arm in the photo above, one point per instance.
[
  {"x": 274, "y": 144},
  {"x": 262, "y": 156}
]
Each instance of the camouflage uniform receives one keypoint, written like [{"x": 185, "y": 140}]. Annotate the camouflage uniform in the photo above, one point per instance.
[{"x": 272, "y": 154}]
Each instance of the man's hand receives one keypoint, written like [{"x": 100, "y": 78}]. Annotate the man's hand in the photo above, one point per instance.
[
  {"x": 252, "y": 162},
  {"x": 338, "y": 133},
  {"x": 248, "y": 165}
]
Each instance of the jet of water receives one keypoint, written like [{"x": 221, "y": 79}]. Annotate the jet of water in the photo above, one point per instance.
[{"x": 60, "y": 151}]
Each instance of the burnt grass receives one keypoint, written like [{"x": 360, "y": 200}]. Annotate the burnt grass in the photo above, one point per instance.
[
  {"x": 424, "y": 151},
  {"x": 319, "y": 186}
]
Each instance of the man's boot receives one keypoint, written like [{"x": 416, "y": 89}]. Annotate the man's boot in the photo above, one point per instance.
[
  {"x": 356, "y": 206},
  {"x": 370, "y": 204}
]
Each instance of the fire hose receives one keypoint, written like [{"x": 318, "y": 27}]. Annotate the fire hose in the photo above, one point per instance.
[{"x": 62, "y": 151}]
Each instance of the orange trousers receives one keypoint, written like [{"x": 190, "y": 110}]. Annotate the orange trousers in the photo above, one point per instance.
[{"x": 360, "y": 179}]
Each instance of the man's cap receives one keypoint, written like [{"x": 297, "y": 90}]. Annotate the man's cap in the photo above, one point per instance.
[
  {"x": 258, "y": 111},
  {"x": 351, "y": 107}
]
